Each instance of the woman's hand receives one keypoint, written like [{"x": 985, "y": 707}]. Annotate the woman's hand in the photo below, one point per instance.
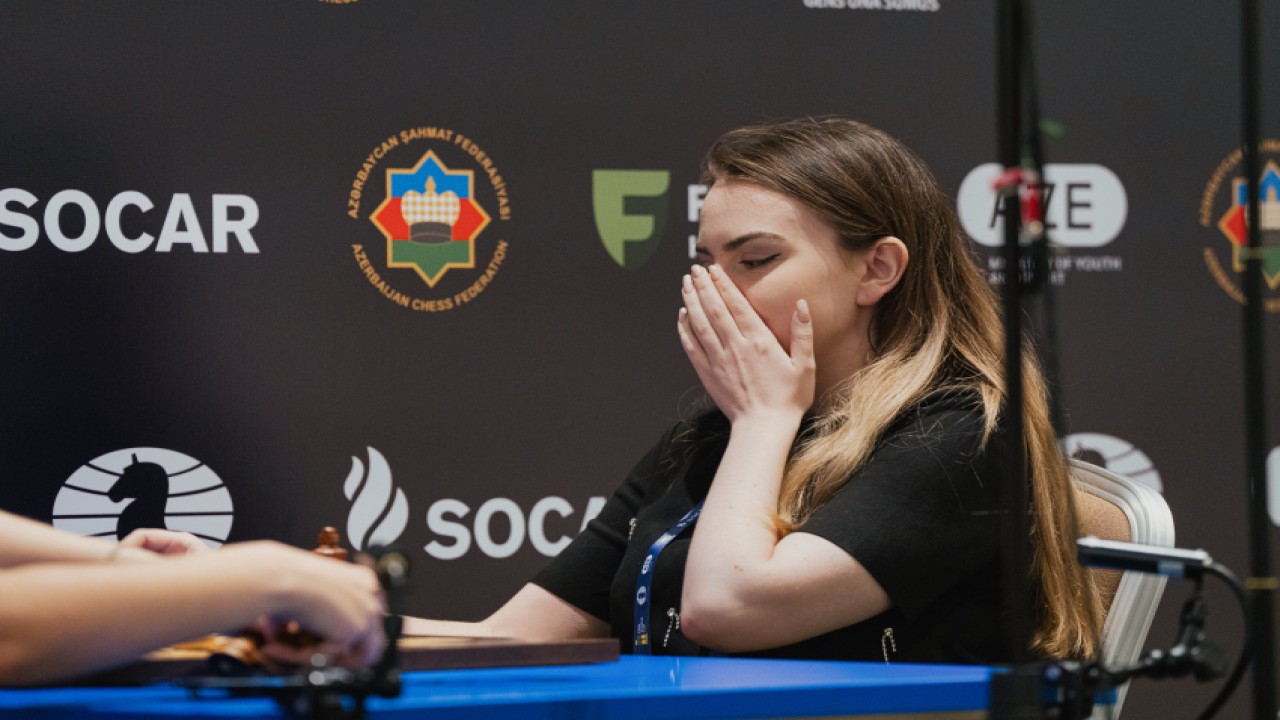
[
  {"x": 741, "y": 364},
  {"x": 164, "y": 542}
]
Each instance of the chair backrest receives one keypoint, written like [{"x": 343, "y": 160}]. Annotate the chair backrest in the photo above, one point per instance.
[{"x": 1114, "y": 507}]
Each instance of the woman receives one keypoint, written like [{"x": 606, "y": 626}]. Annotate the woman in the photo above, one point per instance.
[
  {"x": 841, "y": 502},
  {"x": 72, "y": 605}
]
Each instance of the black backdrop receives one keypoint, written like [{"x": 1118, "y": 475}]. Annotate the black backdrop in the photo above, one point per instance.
[{"x": 478, "y": 419}]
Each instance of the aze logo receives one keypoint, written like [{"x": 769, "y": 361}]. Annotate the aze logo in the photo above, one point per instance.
[
  {"x": 1223, "y": 210},
  {"x": 436, "y": 208},
  {"x": 630, "y": 208}
]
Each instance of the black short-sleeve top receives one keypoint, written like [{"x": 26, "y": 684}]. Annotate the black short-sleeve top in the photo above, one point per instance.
[{"x": 921, "y": 515}]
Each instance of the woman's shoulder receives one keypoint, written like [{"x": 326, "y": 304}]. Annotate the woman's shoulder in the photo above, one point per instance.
[{"x": 944, "y": 410}]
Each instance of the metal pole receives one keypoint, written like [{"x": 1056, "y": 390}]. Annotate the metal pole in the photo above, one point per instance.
[
  {"x": 1014, "y": 695},
  {"x": 1017, "y": 525},
  {"x": 1261, "y": 584}
]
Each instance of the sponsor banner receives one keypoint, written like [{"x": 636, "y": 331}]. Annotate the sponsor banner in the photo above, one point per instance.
[
  {"x": 499, "y": 528},
  {"x": 379, "y": 510},
  {"x": 630, "y": 209},
  {"x": 892, "y": 5},
  {"x": 1085, "y": 210},
  {"x": 73, "y": 221}
]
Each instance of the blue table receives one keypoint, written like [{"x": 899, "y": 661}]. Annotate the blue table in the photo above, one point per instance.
[{"x": 634, "y": 688}]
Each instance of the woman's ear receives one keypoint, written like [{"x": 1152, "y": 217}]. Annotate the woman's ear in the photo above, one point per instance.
[{"x": 883, "y": 266}]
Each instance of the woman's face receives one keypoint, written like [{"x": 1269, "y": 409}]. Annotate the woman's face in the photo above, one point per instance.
[{"x": 778, "y": 250}]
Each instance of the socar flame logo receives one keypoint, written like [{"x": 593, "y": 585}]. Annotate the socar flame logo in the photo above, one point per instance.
[{"x": 379, "y": 511}]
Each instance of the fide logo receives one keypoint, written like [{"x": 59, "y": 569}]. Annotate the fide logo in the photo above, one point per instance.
[
  {"x": 122, "y": 491},
  {"x": 1118, "y": 456},
  {"x": 379, "y": 510}
]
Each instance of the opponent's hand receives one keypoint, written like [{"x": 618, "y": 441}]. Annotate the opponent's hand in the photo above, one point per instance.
[
  {"x": 164, "y": 542},
  {"x": 741, "y": 364},
  {"x": 340, "y": 602}
]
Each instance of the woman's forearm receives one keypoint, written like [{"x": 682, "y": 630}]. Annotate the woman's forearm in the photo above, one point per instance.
[
  {"x": 736, "y": 533},
  {"x": 447, "y": 628}
]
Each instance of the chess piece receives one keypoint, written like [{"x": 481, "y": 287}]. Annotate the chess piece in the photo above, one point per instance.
[{"x": 329, "y": 547}]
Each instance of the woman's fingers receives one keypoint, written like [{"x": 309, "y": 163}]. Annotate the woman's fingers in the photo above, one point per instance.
[
  {"x": 164, "y": 542},
  {"x": 719, "y": 317},
  {"x": 692, "y": 348},
  {"x": 697, "y": 321},
  {"x": 745, "y": 318},
  {"x": 802, "y": 337}
]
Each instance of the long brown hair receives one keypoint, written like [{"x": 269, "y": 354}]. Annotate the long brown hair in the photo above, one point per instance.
[{"x": 940, "y": 328}]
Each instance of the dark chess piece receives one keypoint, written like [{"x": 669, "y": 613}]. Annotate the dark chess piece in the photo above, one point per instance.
[{"x": 329, "y": 546}]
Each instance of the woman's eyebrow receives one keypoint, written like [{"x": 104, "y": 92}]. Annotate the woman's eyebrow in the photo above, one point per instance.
[{"x": 739, "y": 241}]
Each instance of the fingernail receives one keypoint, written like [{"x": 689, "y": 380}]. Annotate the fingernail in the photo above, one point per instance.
[
  {"x": 698, "y": 270},
  {"x": 684, "y": 313},
  {"x": 716, "y": 272},
  {"x": 687, "y": 283},
  {"x": 802, "y": 310}
]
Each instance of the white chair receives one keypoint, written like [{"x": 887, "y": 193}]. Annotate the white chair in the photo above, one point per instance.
[{"x": 1113, "y": 507}]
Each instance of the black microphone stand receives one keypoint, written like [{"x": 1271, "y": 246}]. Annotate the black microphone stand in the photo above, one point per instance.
[
  {"x": 1192, "y": 654},
  {"x": 1262, "y": 583},
  {"x": 1015, "y": 695}
]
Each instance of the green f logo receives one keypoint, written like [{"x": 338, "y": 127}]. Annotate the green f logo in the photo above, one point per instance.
[{"x": 631, "y": 212}]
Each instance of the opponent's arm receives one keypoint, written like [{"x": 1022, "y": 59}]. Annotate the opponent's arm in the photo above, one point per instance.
[
  {"x": 63, "y": 619},
  {"x": 27, "y": 541}
]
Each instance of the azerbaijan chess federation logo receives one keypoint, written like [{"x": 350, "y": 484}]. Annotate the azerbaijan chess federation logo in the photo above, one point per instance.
[
  {"x": 436, "y": 215},
  {"x": 126, "y": 490},
  {"x": 1223, "y": 215}
]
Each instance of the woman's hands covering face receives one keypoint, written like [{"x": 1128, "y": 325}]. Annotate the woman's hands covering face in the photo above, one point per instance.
[{"x": 741, "y": 364}]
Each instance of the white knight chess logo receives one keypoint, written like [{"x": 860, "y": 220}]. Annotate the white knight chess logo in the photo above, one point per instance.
[
  {"x": 1118, "y": 456},
  {"x": 146, "y": 487},
  {"x": 379, "y": 510}
]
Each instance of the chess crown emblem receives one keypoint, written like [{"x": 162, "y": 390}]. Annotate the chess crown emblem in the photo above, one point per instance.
[
  {"x": 1234, "y": 223},
  {"x": 430, "y": 218},
  {"x": 430, "y": 215}
]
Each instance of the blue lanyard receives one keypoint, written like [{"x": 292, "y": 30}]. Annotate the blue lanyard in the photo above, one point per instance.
[{"x": 644, "y": 581}]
